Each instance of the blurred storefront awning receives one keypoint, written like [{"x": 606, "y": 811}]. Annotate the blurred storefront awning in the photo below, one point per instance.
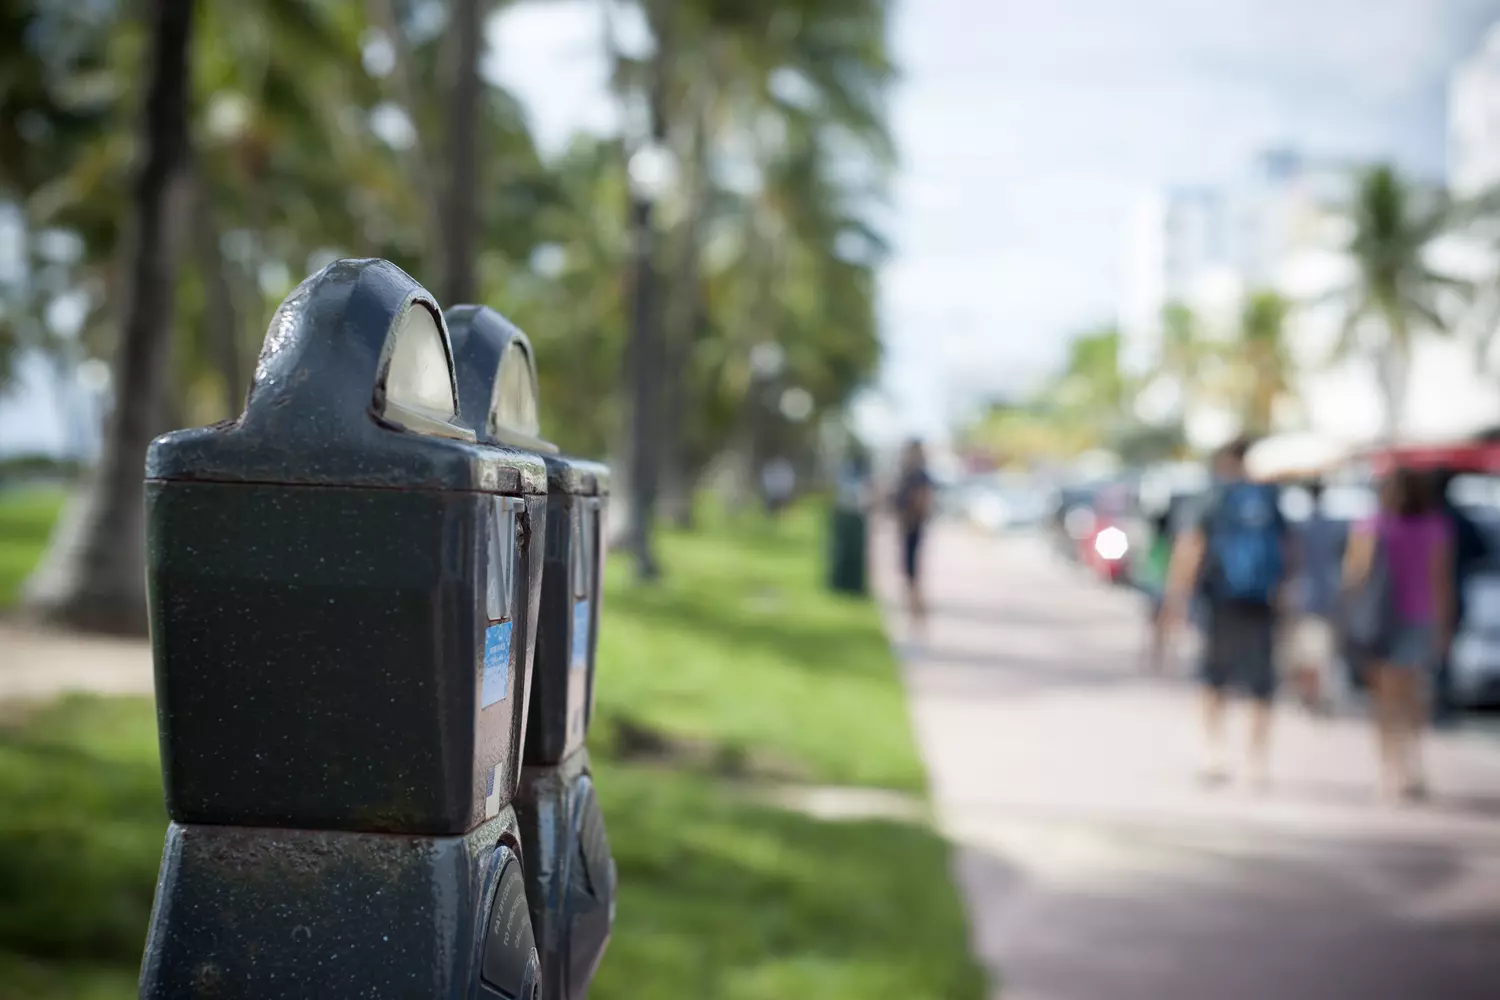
[{"x": 1302, "y": 455}]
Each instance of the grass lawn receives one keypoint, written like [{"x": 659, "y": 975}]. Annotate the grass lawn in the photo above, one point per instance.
[
  {"x": 26, "y": 517},
  {"x": 737, "y": 669}
]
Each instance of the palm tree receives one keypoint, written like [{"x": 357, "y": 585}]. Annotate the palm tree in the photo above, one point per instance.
[
  {"x": 1183, "y": 352},
  {"x": 1265, "y": 362},
  {"x": 1395, "y": 293},
  {"x": 461, "y": 204},
  {"x": 94, "y": 575}
]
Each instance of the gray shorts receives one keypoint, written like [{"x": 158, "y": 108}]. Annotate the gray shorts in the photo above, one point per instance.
[
  {"x": 1239, "y": 649},
  {"x": 1413, "y": 647}
]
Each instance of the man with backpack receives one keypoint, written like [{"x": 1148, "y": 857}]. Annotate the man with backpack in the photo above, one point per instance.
[{"x": 1235, "y": 557}]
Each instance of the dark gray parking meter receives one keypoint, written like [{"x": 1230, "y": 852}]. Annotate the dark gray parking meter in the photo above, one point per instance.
[
  {"x": 343, "y": 586},
  {"x": 570, "y": 874}
]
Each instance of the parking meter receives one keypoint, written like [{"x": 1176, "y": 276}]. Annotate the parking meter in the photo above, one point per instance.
[
  {"x": 342, "y": 587},
  {"x": 570, "y": 874}
]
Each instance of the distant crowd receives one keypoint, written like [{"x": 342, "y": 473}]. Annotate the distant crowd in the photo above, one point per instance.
[{"x": 1384, "y": 596}]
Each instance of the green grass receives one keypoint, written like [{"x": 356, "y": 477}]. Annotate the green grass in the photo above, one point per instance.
[
  {"x": 722, "y": 895},
  {"x": 741, "y": 644},
  {"x": 26, "y": 518}
]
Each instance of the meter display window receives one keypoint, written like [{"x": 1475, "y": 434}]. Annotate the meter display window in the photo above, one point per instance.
[{"x": 499, "y": 595}]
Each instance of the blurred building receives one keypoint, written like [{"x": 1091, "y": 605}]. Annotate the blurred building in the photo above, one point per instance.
[
  {"x": 1474, "y": 120},
  {"x": 1179, "y": 250},
  {"x": 1283, "y": 227}
]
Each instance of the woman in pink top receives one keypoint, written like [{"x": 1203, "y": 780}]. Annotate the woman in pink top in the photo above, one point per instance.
[{"x": 1413, "y": 537}]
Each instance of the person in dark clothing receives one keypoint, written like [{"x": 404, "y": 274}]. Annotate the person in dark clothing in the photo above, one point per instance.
[
  {"x": 1237, "y": 557},
  {"x": 913, "y": 502},
  {"x": 1312, "y": 640},
  {"x": 1470, "y": 549}
]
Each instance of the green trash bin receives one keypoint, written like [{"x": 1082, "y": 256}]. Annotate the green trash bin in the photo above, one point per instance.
[{"x": 848, "y": 533}]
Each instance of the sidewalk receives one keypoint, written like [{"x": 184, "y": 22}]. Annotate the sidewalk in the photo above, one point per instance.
[
  {"x": 1093, "y": 865},
  {"x": 37, "y": 664}
]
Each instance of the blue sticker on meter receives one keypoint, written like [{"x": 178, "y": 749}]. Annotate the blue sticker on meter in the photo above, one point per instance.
[
  {"x": 496, "y": 664},
  {"x": 580, "y": 643}
]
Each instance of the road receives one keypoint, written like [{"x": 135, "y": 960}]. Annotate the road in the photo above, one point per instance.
[{"x": 1095, "y": 868}]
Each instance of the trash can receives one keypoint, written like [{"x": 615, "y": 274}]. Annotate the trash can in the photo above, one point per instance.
[{"x": 849, "y": 531}]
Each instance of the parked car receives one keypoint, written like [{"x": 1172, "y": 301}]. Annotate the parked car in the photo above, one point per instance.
[
  {"x": 1476, "y": 649},
  {"x": 998, "y": 504},
  {"x": 1107, "y": 545}
]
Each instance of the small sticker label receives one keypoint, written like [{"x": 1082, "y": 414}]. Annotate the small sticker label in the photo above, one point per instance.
[
  {"x": 496, "y": 664},
  {"x": 492, "y": 794},
  {"x": 580, "y": 644}
]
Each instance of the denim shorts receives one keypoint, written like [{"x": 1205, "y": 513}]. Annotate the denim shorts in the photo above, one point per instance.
[
  {"x": 1239, "y": 649},
  {"x": 1413, "y": 647}
]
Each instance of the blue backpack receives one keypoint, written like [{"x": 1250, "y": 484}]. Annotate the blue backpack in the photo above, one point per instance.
[{"x": 1244, "y": 563}]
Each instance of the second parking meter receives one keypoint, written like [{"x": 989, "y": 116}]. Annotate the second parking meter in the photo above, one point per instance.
[
  {"x": 570, "y": 873},
  {"x": 343, "y": 584}
]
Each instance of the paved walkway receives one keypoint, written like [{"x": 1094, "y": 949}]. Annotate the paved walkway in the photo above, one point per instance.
[
  {"x": 37, "y": 664},
  {"x": 1095, "y": 868}
]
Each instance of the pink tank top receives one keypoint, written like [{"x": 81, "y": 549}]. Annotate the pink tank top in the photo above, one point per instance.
[{"x": 1410, "y": 544}]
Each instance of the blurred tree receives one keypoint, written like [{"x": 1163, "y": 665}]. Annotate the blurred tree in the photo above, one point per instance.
[
  {"x": 90, "y": 579},
  {"x": 311, "y": 123},
  {"x": 1264, "y": 361},
  {"x": 1395, "y": 292},
  {"x": 763, "y": 240},
  {"x": 1184, "y": 348},
  {"x": 1093, "y": 390}
]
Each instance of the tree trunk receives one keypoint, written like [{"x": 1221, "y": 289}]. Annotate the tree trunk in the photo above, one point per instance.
[
  {"x": 1392, "y": 366},
  {"x": 419, "y": 166},
  {"x": 644, "y": 361},
  {"x": 94, "y": 574},
  {"x": 461, "y": 197},
  {"x": 682, "y": 326},
  {"x": 643, "y": 369},
  {"x": 221, "y": 312}
]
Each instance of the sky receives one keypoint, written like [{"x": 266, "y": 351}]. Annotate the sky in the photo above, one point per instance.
[{"x": 1028, "y": 131}]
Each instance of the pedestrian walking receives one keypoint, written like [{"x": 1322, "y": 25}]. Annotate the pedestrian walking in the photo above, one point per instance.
[
  {"x": 1400, "y": 565},
  {"x": 1152, "y": 580},
  {"x": 778, "y": 482},
  {"x": 1236, "y": 556},
  {"x": 913, "y": 502},
  {"x": 1311, "y": 642}
]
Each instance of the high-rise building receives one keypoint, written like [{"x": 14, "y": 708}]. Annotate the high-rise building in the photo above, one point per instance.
[
  {"x": 1474, "y": 119},
  {"x": 1178, "y": 242}
]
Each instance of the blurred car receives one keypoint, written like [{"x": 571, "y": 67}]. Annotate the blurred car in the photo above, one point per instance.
[
  {"x": 1476, "y": 649},
  {"x": 1475, "y": 660},
  {"x": 1105, "y": 547},
  {"x": 1072, "y": 519},
  {"x": 1000, "y": 506}
]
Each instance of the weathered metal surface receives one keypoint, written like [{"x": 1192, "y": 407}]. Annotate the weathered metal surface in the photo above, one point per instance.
[
  {"x": 570, "y": 874},
  {"x": 344, "y": 616},
  {"x": 310, "y": 416},
  {"x": 561, "y": 690},
  {"x": 261, "y": 914},
  {"x": 318, "y": 654},
  {"x": 317, "y": 590}
]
